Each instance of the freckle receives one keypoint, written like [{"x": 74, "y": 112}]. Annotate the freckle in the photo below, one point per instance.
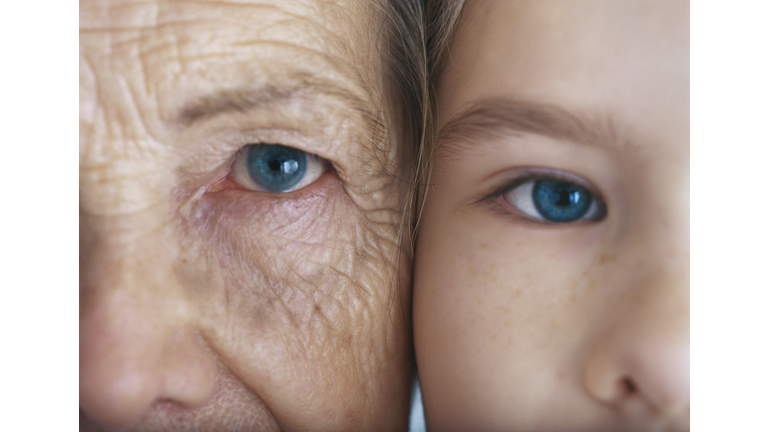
[
  {"x": 518, "y": 292},
  {"x": 493, "y": 336},
  {"x": 561, "y": 375},
  {"x": 484, "y": 245},
  {"x": 553, "y": 323},
  {"x": 606, "y": 258}
]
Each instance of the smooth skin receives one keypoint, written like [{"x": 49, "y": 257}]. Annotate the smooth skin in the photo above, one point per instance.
[
  {"x": 204, "y": 304},
  {"x": 527, "y": 325}
]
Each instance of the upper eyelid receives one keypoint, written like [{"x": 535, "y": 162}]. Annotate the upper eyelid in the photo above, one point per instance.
[
  {"x": 338, "y": 151},
  {"x": 298, "y": 109},
  {"x": 327, "y": 163},
  {"x": 535, "y": 173},
  {"x": 522, "y": 175},
  {"x": 221, "y": 146},
  {"x": 219, "y": 143}
]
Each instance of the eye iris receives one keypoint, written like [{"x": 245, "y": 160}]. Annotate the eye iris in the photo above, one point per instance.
[
  {"x": 561, "y": 201},
  {"x": 276, "y": 168}
]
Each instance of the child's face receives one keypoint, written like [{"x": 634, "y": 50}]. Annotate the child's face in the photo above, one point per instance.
[{"x": 552, "y": 280}]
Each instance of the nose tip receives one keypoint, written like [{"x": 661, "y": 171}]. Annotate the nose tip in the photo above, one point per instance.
[
  {"x": 121, "y": 376},
  {"x": 658, "y": 375},
  {"x": 646, "y": 361},
  {"x": 133, "y": 353}
]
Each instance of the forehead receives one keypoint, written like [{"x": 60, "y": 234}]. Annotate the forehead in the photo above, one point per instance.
[
  {"x": 627, "y": 58},
  {"x": 185, "y": 50}
]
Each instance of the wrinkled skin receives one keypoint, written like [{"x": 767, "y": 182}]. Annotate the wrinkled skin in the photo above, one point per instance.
[
  {"x": 524, "y": 325},
  {"x": 208, "y": 306}
]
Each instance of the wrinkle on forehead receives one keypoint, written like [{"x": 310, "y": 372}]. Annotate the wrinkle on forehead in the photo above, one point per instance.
[
  {"x": 164, "y": 54},
  {"x": 337, "y": 30}
]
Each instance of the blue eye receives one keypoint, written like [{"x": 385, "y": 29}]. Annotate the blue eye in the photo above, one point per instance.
[
  {"x": 561, "y": 201},
  {"x": 276, "y": 168},
  {"x": 555, "y": 200}
]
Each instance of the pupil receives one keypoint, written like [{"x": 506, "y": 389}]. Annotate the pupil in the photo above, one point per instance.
[
  {"x": 275, "y": 167},
  {"x": 560, "y": 201},
  {"x": 566, "y": 198}
]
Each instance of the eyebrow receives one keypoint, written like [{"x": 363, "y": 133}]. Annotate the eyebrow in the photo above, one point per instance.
[
  {"x": 243, "y": 100},
  {"x": 491, "y": 118}
]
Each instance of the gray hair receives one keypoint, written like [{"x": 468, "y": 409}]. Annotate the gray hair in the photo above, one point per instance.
[{"x": 417, "y": 36}]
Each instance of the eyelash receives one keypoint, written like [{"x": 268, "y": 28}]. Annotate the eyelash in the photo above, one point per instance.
[{"x": 530, "y": 195}]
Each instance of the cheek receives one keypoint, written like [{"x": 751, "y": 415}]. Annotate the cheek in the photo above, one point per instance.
[
  {"x": 505, "y": 298},
  {"x": 273, "y": 251},
  {"x": 295, "y": 278},
  {"x": 536, "y": 291}
]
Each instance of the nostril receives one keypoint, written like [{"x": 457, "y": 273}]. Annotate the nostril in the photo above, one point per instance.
[
  {"x": 642, "y": 367},
  {"x": 629, "y": 385}
]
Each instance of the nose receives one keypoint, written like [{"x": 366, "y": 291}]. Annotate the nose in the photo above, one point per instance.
[
  {"x": 138, "y": 339},
  {"x": 641, "y": 365}
]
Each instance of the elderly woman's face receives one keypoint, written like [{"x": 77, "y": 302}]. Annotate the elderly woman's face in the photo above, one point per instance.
[{"x": 238, "y": 218}]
